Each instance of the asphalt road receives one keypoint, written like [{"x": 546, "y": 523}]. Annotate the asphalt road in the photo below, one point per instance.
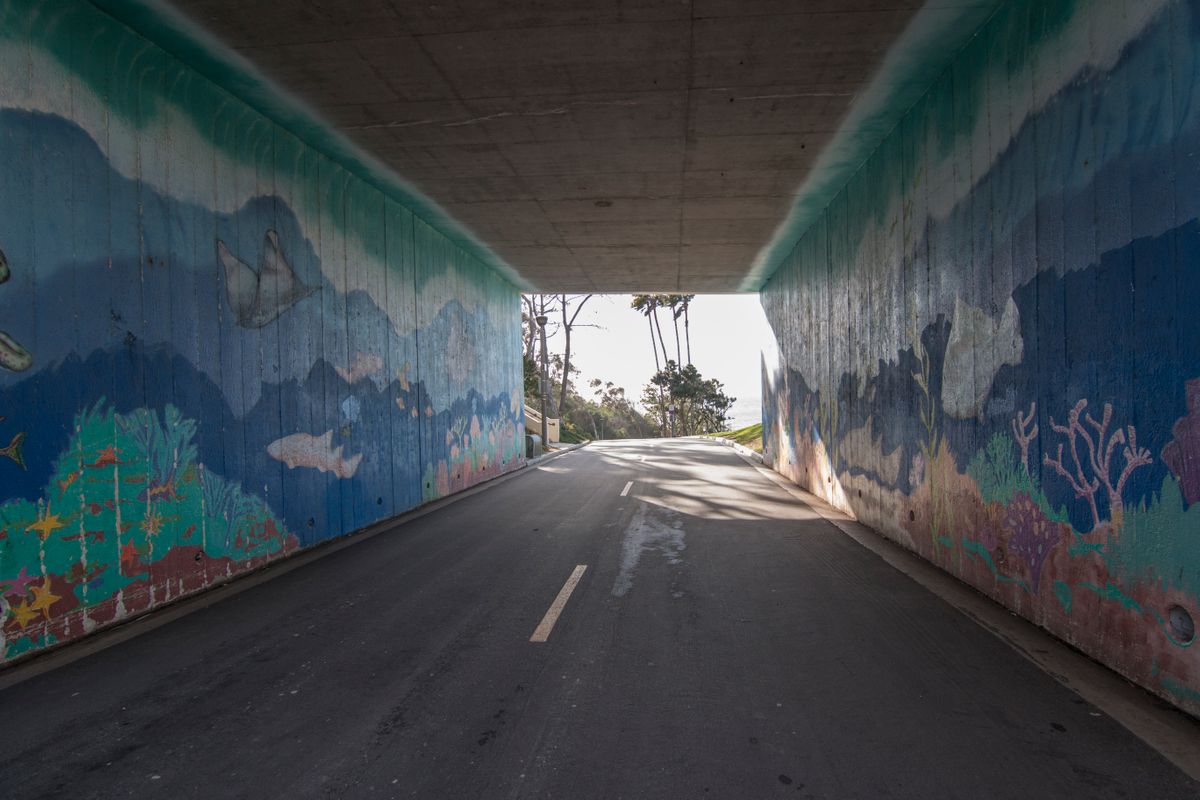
[{"x": 724, "y": 641}]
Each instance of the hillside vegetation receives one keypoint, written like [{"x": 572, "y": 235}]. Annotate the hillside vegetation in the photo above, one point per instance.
[{"x": 749, "y": 436}]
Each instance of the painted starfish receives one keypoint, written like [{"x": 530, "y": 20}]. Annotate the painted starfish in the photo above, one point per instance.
[
  {"x": 152, "y": 523},
  {"x": 43, "y": 598},
  {"x": 23, "y": 614},
  {"x": 18, "y": 586},
  {"x": 47, "y": 524},
  {"x": 129, "y": 555}
]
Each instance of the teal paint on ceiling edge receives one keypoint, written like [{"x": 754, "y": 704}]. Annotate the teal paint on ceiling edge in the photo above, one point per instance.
[
  {"x": 197, "y": 49},
  {"x": 919, "y": 56}
]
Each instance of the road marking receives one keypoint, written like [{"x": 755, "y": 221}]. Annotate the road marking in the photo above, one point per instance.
[
  {"x": 542, "y": 633},
  {"x": 625, "y": 491}
]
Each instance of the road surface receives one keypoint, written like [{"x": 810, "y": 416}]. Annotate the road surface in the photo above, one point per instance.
[{"x": 723, "y": 641}]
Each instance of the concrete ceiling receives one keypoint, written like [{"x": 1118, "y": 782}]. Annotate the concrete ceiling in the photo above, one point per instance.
[{"x": 646, "y": 145}]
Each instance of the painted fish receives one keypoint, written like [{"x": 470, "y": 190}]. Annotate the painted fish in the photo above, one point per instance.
[
  {"x": 13, "y": 357},
  {"x": 65, "y": 484},
  {"x": 108, "y": 457},
  {"x": 94, "y": 536},
  {"x": 13, "y": 451},
  {"x": 159, "y": 491},
  {"x": 317, "y": 452}
]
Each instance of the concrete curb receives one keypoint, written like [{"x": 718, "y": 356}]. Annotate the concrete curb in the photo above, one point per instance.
[
  {"x": 25, "y": 667},
  {"x": 553, "y": 454},
  {"x": 1170, "y": 731},
  {"x": 743, "y": 451}
]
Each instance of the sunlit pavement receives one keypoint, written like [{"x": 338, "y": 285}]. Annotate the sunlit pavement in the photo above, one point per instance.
[{"x": 721, "y": 640}]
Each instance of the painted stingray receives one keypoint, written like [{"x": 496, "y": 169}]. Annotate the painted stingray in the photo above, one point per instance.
[
  {"x": 258, "y": 298},
  {"x": 13, "y": 451}
]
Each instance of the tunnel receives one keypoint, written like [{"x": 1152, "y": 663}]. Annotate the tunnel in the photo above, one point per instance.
[{"x": 261, "y": 265}]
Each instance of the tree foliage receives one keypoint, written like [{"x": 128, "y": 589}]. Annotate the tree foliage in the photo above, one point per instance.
[
  {"x": 607, "y": 414},
  {"x": 700, "y": 404}
]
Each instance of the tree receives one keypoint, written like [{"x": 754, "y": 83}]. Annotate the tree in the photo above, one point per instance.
[
  {"x": 568, "y": 323},
  {"x": 648, "y": 305},
  {"x": 701, "y": 405},
  {"x": 612, "y": 416},
  {"x": 678, "y": 303},
  {"x": 533, "y": 375},
  {"x": 529, "y": 326},
  {"x": 685, "y": 300},
  {"x": 673, "y": 301}
]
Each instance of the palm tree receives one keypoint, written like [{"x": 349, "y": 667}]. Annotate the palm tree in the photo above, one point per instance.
[
  {"x": 685, "y": 301},
  {"x": 672, "y": 301},
  {"x": 659, "y": 300},
  {"x": 647, "y": 305}
]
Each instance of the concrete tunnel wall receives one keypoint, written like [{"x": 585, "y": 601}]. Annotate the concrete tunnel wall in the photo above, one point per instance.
[
  {"x": 989, "y": 343},
  {"x": 217, "y": 345}
]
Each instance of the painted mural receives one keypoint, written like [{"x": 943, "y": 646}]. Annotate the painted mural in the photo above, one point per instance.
[
  {"x": 988, "y": 345},
  {"x": 217, "y": 346}
]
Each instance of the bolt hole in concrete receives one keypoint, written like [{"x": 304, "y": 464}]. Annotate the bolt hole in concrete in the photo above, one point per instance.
[
  {"x": 912, "y": 516},
  {"x": 1183, "y": 628}
]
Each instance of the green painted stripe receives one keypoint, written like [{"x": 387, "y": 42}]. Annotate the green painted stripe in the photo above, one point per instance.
[
  {"x": 922, "y": 53},
  {"x": 196, "y": 49}
]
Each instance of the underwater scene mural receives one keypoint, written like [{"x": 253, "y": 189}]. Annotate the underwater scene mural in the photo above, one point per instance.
[
  {"x": 988, "y": 347},
  {"x": 217, "y": 346}
]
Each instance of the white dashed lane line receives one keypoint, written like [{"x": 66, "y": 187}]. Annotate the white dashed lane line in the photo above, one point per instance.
[{"x": 542, "y": 632}]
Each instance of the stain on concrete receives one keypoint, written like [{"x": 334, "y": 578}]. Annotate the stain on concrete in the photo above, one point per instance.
[{"x": 652, "y": 529}]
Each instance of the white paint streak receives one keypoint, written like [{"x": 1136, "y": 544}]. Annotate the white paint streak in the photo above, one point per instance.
[
  {"x": 542, "y": 632},
  {"x": 646, "y": 532},
  {"x": 628, "y": 486}
]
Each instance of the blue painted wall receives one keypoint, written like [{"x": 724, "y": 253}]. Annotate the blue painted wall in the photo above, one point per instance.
[
  {"x": 988, "y": 343},
  {"x": 217, "y": 345}
]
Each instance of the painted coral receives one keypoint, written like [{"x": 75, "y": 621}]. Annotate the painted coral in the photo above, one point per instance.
[
  {"x": 1032, "y": 535},
  {"x": 1091, "y": 463},
  {"x": 476, "y": 448},
  {"x": 129, "y": 519}
]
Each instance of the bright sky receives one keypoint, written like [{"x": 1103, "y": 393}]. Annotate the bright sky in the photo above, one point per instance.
[{"x": 728, "y": 334}]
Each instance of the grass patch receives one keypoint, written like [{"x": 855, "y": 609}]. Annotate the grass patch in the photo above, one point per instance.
[{"x": 749, "y": 436}]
